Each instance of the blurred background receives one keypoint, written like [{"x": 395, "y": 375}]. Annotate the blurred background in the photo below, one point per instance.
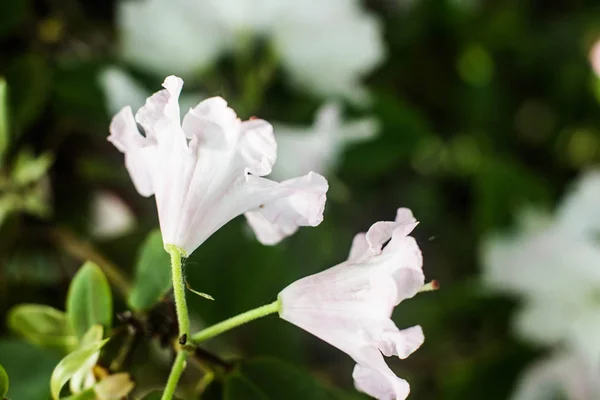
[{"x": 465, "y": 111}]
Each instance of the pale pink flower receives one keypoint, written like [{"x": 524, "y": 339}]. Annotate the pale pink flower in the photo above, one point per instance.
[
  {"x": 350, "y": 305},
  {"x": 208, "y": 169}
]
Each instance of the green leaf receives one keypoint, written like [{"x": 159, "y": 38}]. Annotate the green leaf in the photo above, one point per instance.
[
  {"x": 270, "y": 379},
  {"x": 43, "y": 326},
  {"x": 28, "y": 168},
  {"x": 152, "y": 273},
  {"x": 89, "y": 301},
  {"x": 12, "y": 15},
  {"x": 82, "y": 358},
  {"x": 3, "y": 382},
  {"x": 29, "y": 368},
  {"x": 4, "y": 123}
]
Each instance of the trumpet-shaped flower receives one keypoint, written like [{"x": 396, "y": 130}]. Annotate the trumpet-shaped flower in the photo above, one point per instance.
[
  {"x": 552, "y": 265},
  {"x": 208, "y": 169},
  {"x": 326, "y": 47},
  {"x": 350, "y": 305},
  {"x": 319, "y": 147}
]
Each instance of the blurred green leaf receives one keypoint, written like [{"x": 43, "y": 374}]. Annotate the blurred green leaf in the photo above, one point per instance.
[
  {"x": 43, "y": 326},
  {"x": 29, "y": 368},
  {"x": 266, "y": 379},
  {"x": 4, "y": 122},
  {"x": 28, "y": 168},
  {"x": 29, "y": 79},
  {"x": 3, "y": 382},
  {"x": 80, "y": 359},
  {"x": 152, "y": 273},
  {"x": 89, "y": 300}
]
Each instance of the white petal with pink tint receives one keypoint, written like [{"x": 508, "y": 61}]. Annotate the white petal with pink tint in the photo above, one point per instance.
[
  {"x": 207, "y": 170},
  {"x": 350, "y": 305}
]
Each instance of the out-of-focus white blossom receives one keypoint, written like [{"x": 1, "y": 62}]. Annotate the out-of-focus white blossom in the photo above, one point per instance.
[
  {"x": 121, "y": 90},
  {"x": 208, "y": 170},
  {"x": 567, "y": 375},
  {"x": 553, "y": 265},
  {"x": 318, "y": 148},
  {"x": 594, "y": 57},
  {"x": 111, "y": 217},
  {"x": 326, "y": 47},
  {"x": 350, "y": 305}
]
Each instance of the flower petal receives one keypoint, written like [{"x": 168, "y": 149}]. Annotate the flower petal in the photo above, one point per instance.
[
  {"x": 381, "y": 232},
  {"x": 160, "y": 115},
  {"x": 381, "y": 384},
  {"x": 258, "y": 147},
  {"x": 124, "y": 134},
  {"x": 303, "y": 206},
  {"x": 400, "y": 343}
]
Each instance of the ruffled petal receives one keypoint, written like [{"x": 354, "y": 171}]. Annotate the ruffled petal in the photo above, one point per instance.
[
  {"x": 382, "y": 385},
  {"x": 212, "y": 122},
  {"x": 400, "y": 343},
  {"x": 359, "y": 247},
  {"x": 303, "y": 206},
  {"x": 258, "y": 147},
  {"x": 380, "y": 232},
  {"x": 124, "y": 134},
  {"x": 160, "y": 115}
]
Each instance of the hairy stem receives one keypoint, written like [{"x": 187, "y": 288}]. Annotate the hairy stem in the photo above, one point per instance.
[
  {"x": 176, "y": 371},
  {"x": 238, "y": 320}
]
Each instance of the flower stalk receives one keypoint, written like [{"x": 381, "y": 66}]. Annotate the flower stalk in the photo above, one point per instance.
[
  {"x": 236, "y": 321},
  {"x": 176, "y": 371},
  {"x": 183, "y": 318}
]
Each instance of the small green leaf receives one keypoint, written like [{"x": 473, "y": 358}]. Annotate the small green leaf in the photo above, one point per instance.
[
  {"x": 4, "y": 123},
  {"x": 89, "y": 301},
  {"x": 28, "y": 168},
  {"x": 82, "y": 358},
  {"x": 43, "y": 326},
  {"x": 270, "y": 379},
  {"x": 3, "y": 382},
  {"x": 152, "y": 273}
]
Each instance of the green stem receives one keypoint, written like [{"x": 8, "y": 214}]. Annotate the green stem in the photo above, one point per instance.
[
  {"x": 176, "y": 371},
  {"x": 179, "y": 289},
  {"x": 238, "y": 320}
]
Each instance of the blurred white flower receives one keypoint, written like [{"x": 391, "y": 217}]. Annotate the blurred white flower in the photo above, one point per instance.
[
  {"x": 326, "y": 47},
  {"x": 561, "y": 374},
  {"x": 553, "y": 265},
  {"x": 111, "y": 217},
  {"x": 319, "y": 147},
  {"x": 121, "y": 90},
  {"x": 350, "y": 305},
  {"x": 329, "y": 46},
  {"x": 594, "y": 57},
  {"x": 208, "y": 170}
]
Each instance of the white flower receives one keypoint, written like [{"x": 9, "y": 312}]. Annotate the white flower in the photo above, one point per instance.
[
  {"x": 594, "y": 57},
  {"x": 326, "y": 47},
  {"x": 554, "y": 268},
  {"x": 350, "y": 305},
  {"x": 561, "y": 374},
  {"x": 111, "y": 217},
  {"x": 208, "y": 169},
  {"x": 319, "y": 147}
]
